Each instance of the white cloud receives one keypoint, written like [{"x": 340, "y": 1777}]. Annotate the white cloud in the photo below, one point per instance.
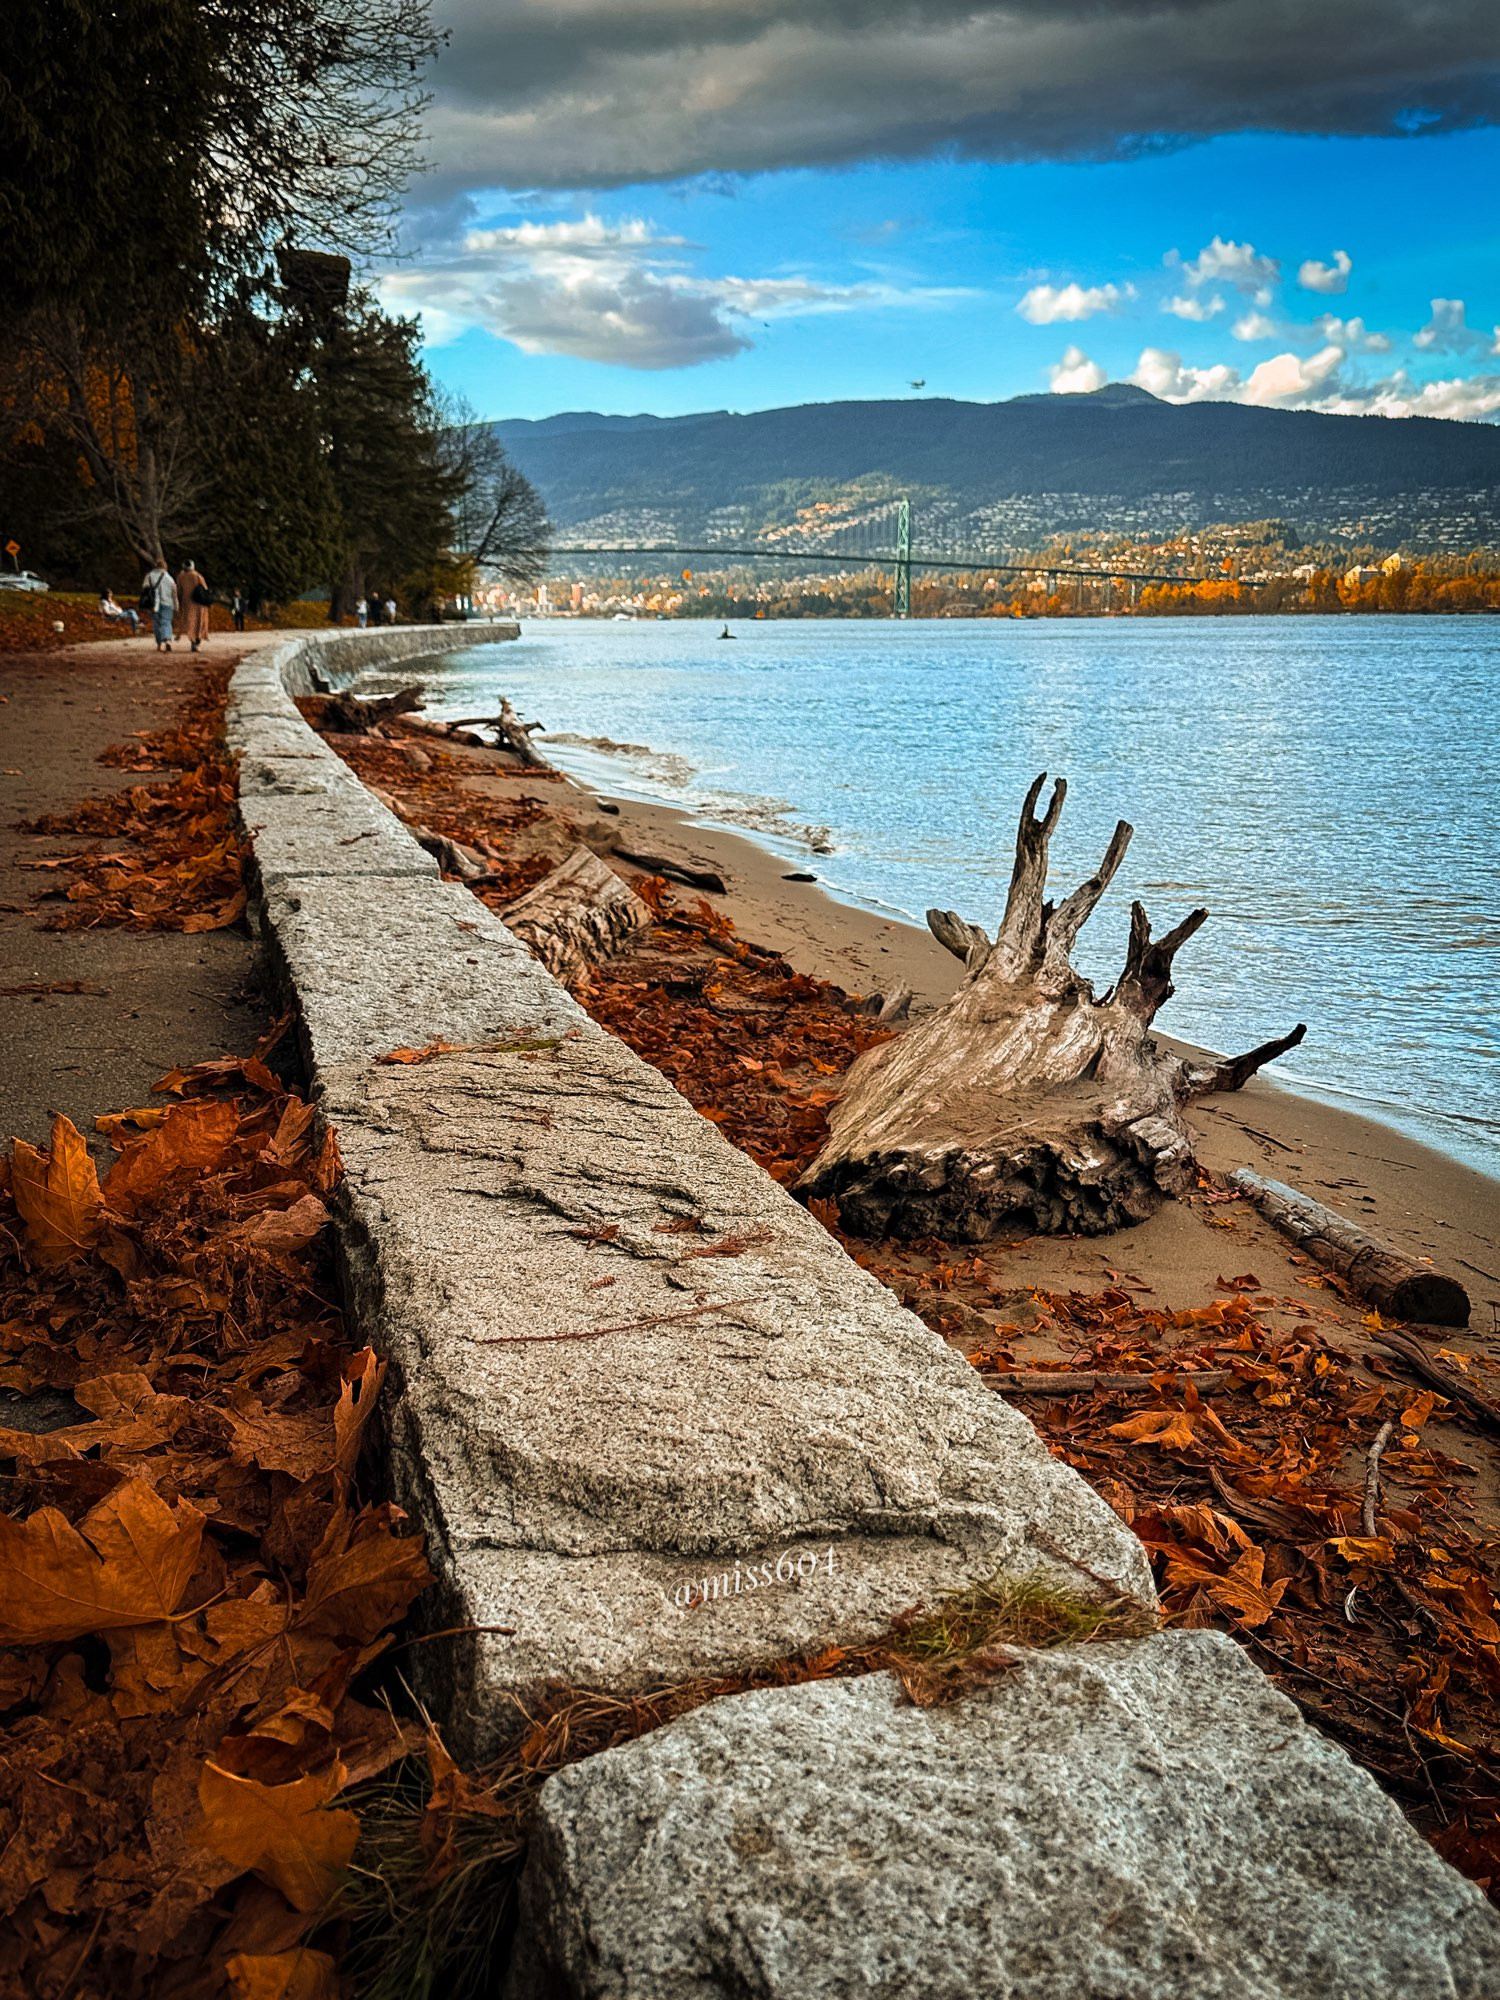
[
  {"x": 1471, "y": 397},
  {"x": 1352, "y": 334},
  {"x": 1045, "y": 305},
  {"x": 1194, "y": 308},
  {"x": 1254, "y": 326},
  {"x": 1318, "y": 382},
  {"x": 615, "y": 292},
  {"x": 1230, "y": 263},
  {"x": 1315, "y": 277},
  {"x": 1162, "y": 372},
  {"x": 1292, "y": 379},
  {"x": 1076, "y": 375},
  {"x": 1449, "y": 332}
]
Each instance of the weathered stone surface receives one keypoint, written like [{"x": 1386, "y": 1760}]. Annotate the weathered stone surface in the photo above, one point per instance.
[
  {"x": 590, "y": 1415},
  {"x": 1130, "y": 1821}
]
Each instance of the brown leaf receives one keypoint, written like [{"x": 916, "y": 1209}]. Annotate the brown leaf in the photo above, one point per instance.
[
  {"x": 1170, "y": 1430},
  {"x": 283, "y": 1975},
  {"x": 362, "y": 1377},
  {"x": 283, "y": 1232},
  {"x": 57, "y": 1193},
  {"x": 355, "y": 1592},
  {"x": 127, "y": 1562},
  {"x": 193, "y": 1138},
  {"x": 287, "y": 1833}
]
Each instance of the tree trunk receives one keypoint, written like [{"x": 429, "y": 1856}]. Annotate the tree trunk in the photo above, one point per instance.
[
  {"x": 1025, "y": 1101},
  {"x": 580, "y": 913}
]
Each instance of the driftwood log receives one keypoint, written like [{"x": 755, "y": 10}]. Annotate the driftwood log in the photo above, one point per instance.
[
  {"x": 1392, "y": 1283},
  {"x": 350, "y": 714},
  {"x": 694, "y": 875},
  {"x": 1025, "y": 1100},
  {"x": 511, "y": 734},
  {"x": 580, "y": 913}
]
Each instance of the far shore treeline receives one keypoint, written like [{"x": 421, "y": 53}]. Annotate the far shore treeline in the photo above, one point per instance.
[{"x": 189, "y": 362}]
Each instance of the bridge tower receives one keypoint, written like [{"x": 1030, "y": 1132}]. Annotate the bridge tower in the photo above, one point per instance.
[{"x": 903, "y": 559}]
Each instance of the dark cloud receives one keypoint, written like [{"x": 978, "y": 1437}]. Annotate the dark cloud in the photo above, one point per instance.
[{"x": 594, "y": 93}]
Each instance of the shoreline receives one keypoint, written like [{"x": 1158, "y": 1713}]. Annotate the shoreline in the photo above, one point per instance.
[{"x": 1422, "y": 1200}]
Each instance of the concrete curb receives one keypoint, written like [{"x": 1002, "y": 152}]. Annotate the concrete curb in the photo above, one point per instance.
[{"x": 611, "y": 1443}]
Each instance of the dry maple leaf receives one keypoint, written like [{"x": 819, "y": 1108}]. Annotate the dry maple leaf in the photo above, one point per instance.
[
  {"x": 355, "y": 1593},
  {"x": 286, "y": 1833},
  {"x": 127, "y": 1562},
  {"x": 283, "y": 1975},
  {"x": 1170, "y": 1430},
  {"x": 192, "y": 1138},
  {"x": 57, "y": 1193}
]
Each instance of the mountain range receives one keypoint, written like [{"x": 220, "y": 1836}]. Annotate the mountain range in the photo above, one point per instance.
[{"x": 1015, "y": 473}]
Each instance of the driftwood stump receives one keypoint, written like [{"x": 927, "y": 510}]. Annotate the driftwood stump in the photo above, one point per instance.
[{"x": 1025, "y": 1101}]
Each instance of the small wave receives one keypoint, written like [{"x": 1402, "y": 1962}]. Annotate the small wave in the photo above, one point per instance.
[{"x": 662, "y": 767}]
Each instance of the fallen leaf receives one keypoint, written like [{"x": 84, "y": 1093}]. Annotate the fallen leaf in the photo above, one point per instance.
[
  {"x": 286, "y": 1833},
  {"x": 57, "y": 1193},
  {"x": 1169, "y": 1429},
  {"x": 128, "y": 1561},
  {"x": 283, "y": 1975},
  {"x": 192, "y": 1138}
]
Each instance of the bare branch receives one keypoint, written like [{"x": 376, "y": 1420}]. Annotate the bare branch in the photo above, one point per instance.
[
  {"x": 1020, "y": 935},
  {"x": 1237, "y": 1070}
]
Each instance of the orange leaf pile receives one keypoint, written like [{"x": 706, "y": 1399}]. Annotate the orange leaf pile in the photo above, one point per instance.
[
  {"x": 189, "y": 1588},
  {"x": 180, "y": 865}
]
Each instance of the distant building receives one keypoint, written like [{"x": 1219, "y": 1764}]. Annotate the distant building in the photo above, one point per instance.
[
  {"x": 1393, "y": 565},
  {"x": 1353, "y": 578},
  {"x": 1305, "y": 572}
]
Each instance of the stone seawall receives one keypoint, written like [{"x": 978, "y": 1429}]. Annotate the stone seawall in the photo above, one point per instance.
[{"x": 591, "y": 1420}]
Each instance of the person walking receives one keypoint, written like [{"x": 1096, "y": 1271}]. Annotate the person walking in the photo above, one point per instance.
[
  {"x": 237, "y": 607},
  {"x": 362, "y": 613},
  {"x": 159, "y": 601},
  {"x": 193, "y": 596},
  {"x": 390, "y": 611}
]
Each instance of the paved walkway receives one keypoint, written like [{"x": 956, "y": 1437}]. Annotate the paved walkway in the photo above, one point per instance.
[{"x": 168, "y": 998}]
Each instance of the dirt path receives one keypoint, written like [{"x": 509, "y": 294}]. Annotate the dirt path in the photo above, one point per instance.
[{"x": 148, "y": 1000}]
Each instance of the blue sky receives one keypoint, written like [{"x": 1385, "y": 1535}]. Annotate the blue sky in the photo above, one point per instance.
[{"x": 1278, "y": 267}]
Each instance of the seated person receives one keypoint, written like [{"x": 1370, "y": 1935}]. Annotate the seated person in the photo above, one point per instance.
[{"x": 109, "y": 609}]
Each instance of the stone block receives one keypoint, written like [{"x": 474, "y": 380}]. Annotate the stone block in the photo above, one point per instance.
[{"x": 1146, "y": 1820}]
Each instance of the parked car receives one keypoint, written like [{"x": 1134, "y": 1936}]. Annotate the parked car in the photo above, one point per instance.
[{"x": 20, "y": 579}]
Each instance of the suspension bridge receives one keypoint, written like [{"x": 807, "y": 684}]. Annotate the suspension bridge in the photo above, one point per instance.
[{"x": 879, "y": 536}]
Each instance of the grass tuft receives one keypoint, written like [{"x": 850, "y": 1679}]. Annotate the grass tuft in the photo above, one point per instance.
[{"x": 429, "y": 1908}]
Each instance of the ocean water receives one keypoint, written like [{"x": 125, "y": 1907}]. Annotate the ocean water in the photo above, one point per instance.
[{"x": 1328, "y": 788}]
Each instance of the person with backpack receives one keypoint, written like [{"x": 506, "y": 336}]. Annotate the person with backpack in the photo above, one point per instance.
[
  {"x": 193, "y": 595},
  {"x": 158, "y": 602}
]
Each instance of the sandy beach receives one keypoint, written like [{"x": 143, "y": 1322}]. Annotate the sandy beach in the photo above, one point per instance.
[{"x": 1419, "y": 1200}]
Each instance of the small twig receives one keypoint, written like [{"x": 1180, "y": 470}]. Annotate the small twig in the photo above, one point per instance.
[
  {"x": 452, "y": 1632},
  {"x": 598, "y": 1332},
  {"x": 1372, "y": 1475},
  {"x": 1084, "y": 1381},
  {"x": 82, "y": 1959}
]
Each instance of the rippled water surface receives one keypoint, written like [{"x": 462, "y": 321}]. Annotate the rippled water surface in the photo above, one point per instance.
[{"x": 1329, "y": 788}]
